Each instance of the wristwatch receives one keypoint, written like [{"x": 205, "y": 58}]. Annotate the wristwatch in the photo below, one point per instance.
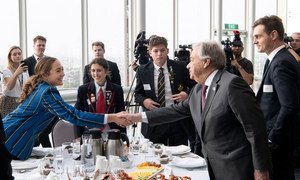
[{"x": 240, "y": 67}]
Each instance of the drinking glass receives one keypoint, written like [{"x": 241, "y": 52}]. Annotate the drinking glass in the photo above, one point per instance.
[
  {"x": 58, "y": 161},
  {"x": 76, "y": 149},
  {"x": 135, "y": 146},
  {"x": 158, "y": 149}
]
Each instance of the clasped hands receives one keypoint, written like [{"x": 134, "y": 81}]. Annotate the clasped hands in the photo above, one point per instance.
[{"x": 124, "y": 119}]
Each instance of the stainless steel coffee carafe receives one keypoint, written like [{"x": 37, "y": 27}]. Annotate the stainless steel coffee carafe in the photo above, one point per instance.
[
  {"x": 97, "y": 143},
  {"x": 114, "y": 144}
]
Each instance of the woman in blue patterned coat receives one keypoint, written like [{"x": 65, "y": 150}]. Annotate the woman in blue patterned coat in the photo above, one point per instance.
[{"x": 40, "y": 103}]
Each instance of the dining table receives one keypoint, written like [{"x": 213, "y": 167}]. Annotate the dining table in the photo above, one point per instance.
[{"x": 182, "y": 164}]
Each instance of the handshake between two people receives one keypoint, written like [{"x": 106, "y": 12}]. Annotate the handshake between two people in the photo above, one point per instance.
[{"x": 124, "y": 119}]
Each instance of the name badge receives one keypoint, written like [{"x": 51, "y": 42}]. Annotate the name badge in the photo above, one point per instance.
[
  {"x": 268, "y": 88},
  {"x": 147, "y": 87}
]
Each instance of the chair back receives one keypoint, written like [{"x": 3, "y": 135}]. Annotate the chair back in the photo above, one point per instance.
[{"x": 63, "y": 131}]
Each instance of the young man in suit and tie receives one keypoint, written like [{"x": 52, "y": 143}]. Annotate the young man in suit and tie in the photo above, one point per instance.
[
  {"x": 99, "y": 51},
  {"x": 278, "y": 94},
  {"x": 150, "y": 95},
  {"x": 232, "y": 132},
  {"x": 39, "y": 46}
]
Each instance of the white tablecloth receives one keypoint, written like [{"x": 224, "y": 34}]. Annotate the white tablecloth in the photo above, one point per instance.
[{"x": 195, "y": 173}]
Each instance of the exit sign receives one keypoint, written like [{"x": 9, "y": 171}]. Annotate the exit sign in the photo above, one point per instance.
[{"x": 231, "y": 26}]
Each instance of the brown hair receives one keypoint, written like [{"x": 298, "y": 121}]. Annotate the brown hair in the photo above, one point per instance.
[
  {"x": 101, "y": 62},
  {"x": 42, "y": 68},
  {"x": 271, "y": 23},
  {"x": 39, "y": 37},
  {"x": 98, "y": 43},
  {"x": 157, "y": 40},
  {"x": 10, "y": 61}
]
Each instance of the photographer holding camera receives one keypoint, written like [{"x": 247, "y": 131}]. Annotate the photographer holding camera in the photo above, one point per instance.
[{"x": 242, "y": 66}]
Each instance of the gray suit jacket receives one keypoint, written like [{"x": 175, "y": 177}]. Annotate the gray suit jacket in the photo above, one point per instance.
[{"x": 231, "y": 127}]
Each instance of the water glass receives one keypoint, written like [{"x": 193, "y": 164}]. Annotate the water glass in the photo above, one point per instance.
[
  {"x": 158, "y": 149},
  {"x": 59, "y": 164},
  {"x": 76, "y": 149},
  {"x": 87, "y": 151},
  {"x": 135, "y": 146}
]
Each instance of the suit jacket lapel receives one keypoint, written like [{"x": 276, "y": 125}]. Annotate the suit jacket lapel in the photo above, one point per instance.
[
  {"x": 171, "y": 68},
  {"x": 92, "y": 90},
  {"x": 149, "y": 73},
  {"x": 109, "y": 96},
  {"x": 210, "y": 96}
]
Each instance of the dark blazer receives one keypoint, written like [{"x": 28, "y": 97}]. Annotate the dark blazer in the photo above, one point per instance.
[
  {"x": 180, "y": 81},
  {"x": 231, "y": 127},
  {"x": 114, "y": 73},
  {"x": 30, "y": 62},
  {"x": 278, "y": 96},
  {"x": 114, "y": 100}
]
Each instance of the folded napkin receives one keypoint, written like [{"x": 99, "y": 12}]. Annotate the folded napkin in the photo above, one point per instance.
[
  {"x": 40, "y": 151},
  {"x": 52, "y": 176},
  {"x": 181, "y": 149},
  {"x": 27, "y": 164},
  {"x": 188, "y": 162}
]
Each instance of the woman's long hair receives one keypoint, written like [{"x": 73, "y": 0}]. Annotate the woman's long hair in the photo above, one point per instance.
[{"x": 42, "y": 70}]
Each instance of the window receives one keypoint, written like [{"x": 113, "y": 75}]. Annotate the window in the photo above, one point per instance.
[
  {"x": 106, "y": 24},
  {"x": 9, "y": 31},
  {"x": 60, "y": 22}
]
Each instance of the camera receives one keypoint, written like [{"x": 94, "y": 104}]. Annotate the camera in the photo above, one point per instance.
[
  {"x": 183, "y": 54},
  {"x": 140, "y": 48},
  {"x": 287, "y": 38},
  {"x": 228, "y": 52}
]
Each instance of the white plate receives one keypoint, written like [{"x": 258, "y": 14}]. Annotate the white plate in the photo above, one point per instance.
[
  {"x": 178, "y": 150},
  {"x": 182, "y": 152},
  {"x": 23, "y": 165},
  {"x": 188, "y": 162}
]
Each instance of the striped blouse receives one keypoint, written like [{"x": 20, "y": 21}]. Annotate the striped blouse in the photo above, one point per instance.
[{"x": 23, "y": 125}]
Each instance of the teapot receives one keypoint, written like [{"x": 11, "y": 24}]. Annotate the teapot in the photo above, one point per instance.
[{"x": 114, "y": 145}]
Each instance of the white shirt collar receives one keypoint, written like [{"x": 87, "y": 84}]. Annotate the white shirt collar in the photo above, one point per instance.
[
  {"x": 36, "y": 57},
  {"x": 209, "y": 79},
  {"x": 163, "y": 66},
  {"x": 98, "y": 87},
  {"x": 274, "y": 52}
]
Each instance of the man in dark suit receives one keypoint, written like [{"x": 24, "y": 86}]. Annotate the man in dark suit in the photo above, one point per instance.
[
  {"x": 39, "y": 45},
  {"x": 227, "y": 117},
  {"x": 176, "y": 83},
  {"x": 99, "y": 50},
  {"x": 278, "y": 94}
]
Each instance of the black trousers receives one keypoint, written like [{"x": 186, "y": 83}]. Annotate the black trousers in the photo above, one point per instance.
[
  {"x": 282, "y": 162},
  {"x": 5, "y": 157}
]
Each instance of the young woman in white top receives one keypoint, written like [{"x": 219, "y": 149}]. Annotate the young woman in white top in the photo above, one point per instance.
[{"x": 14, "y": 76}]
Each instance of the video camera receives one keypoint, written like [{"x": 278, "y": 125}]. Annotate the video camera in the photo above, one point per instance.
[
  {"x": 140, "y": 48},
  {"x": 287, "y": 38},
  {"x": 228, "y": 51},
  {"x": 183, "y": 54}
]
